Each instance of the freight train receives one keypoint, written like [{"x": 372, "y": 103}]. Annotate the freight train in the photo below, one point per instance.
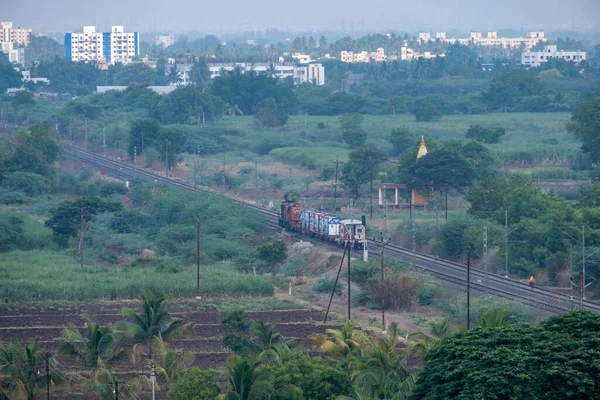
[{"x": 321, "y": 225}]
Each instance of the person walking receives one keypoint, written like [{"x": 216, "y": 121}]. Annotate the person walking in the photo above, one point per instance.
[{"x": 531, "y": 280}]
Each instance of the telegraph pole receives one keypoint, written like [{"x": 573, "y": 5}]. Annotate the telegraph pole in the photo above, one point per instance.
[
  {"x": 437, "y": 228},
  {"x": 485, "y": 248},
  {"x": 198, "y": 223},
  {"x": 506, "y": 242},
  {"x": 47, "y": 376},
  {"x": 153, "y": 379},
  {"x": 469, "y": 290},
  {"x": 104, "y": 140},
  {"x": 167, "y": 158},
  {"x": 383, "y": 243},
  {"x": 583, "y": 262},
  {"x": 337, "y": 164},
  {"x": 412, "y": 226},
  {"x": 571, "y": 270},
  {"x": 116, "y": 390},
  {"x": 349, "y": 300},
  {"x": 81, "y": 238},
  {"x": 134, "y": 156}
]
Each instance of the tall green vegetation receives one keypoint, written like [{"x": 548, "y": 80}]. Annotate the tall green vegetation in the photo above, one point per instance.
[{"x": 585, "y": 125}]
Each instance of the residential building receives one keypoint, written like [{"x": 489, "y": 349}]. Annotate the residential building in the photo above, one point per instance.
[
  {"x": 165, "y": 40},
  {"x": 301, "y": 58},
  {"x": 27, "y": 78},
  {"x": 312, "y": 73},
  {"x": 157, "y": 89},
  {"x": 19, "y": 35},
  {"x": 491, "y": 39},
  {"x": 537, "y": 58},
  {"x": 116, "y": 46},
  {"x": 363, "y": 56},
  {"x": 408, "y": 54},
  {"x": 16, "y": 56}
]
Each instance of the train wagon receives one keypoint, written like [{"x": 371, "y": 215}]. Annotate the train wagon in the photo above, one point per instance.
[
  {"x": 289, "y": 218},
  {"x": 354, "y": 231}
]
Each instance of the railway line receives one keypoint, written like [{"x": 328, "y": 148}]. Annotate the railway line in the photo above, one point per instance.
[{"x": 447, "y": 271}]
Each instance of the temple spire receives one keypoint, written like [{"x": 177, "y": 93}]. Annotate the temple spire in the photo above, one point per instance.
[{"x": 422, "y": 149}]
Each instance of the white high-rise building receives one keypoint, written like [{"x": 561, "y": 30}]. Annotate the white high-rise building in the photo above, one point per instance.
[
  {"x": 537, "y": 58},
  {"x": 20, "y": 36},
  {"x": 165, "y": 40},
  {"x": 492, "y": 39},
  {"x": 111, "y": 47},
  {"x": 311, "y": 73}
]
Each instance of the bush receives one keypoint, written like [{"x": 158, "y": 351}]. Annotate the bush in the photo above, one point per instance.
[
  {"x": 13, "y": 197},
  {"x": 27, "y": 182},
  {"x": 485, "y": 135},
  {"x": 427, "y": 112},
  {"x": 321, "y": 125},
  {"x": 111, "y": 188},
  {"x": 196, "y": 384},
  {"x": 325, "y": 285}
]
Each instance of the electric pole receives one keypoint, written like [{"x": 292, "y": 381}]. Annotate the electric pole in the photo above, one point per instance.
[
  {"x": 153, "y": 379},
  {"x": 583, "y": 262},
  {"x": 47, "y": 376},
  {"x": 167, "y": 158},
  {"x": 412, "y": 226},
  {"x": 134, "y": 156},
  {"x": 116, "y": 390},
  {"x": 383, "y": 243},
  {"x": 506, "y": 242},
  {"x": 104, "y": 140},
  {"x": 82, "y": 230},
  {"x": 349, "y": 300},
  {"x": 198, "y": 223},
  {"x": 337, "y": 165},
  {"x": 485, "y": 248},
  {"x": 469, "y": 290},
  {"x": 437, "y": 228}
]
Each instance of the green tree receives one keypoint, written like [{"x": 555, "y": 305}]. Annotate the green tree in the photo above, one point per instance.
[
  {"x": 144, "y": 133},
  {"x": 485, "y": 135},
  {"x": 341, "y": 342},
  {"x": 352, "y": 131},
  {"x": 442, "y": 169},
  {"x": 9, "y": 78},
  {"x": 200, "y": 74},
  {"x": 19, "y": 370},
  {"x": 272, "y": 254},
  {"x": 196, "y": 384},
  {"x": 495, "y": 318},
  {"x": 427, "y": 112},
  {"x": 585, "y": 126},
  {"x": 154, "y": 321},
  {"x": 246, "y": 381},
  {"x": 12, "y": 231},
  {"x": 555, "y": 360},
  {"x": 590, "y": 196},
  {"x": 269, "y": 114},
  {"x": 506, "y": 88},
  {"x": 170, "y": 364},
  {"x": 237, "y": 338},
  {"x": 362, "y": 167},
  {"x": 95, "y": 348},
  {"x": 401, "y": 139},
  {"x": 22, "y": 99}
]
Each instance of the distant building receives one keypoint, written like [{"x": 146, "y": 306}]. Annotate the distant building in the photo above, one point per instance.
[
  {"x": 16, "y": 56},
  {"x": 157, "y": 89},
  {"x": 20, "y": 36},
  {"x": 537, "y": 58},
  {"x": 363, "y": 56},
  {"x": 408, "y": 54},
  {"x": 27, "y": 78},
  {"x": 116, "y": 46},
  {"x": 301, "y": 58},
  {"x": 165, "y": 40},
  {"x": 312, "y": 73},
  {"x": 491, "y": 39}
]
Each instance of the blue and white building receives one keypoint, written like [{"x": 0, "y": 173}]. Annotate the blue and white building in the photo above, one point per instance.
[{"x": 111, "y": 47}]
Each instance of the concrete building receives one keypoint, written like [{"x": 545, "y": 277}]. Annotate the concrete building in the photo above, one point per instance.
[
  {"x": 116, "y": 46},
  {"x": 27, "y": 78},
  {"x": 20, "y": 36},
  {"x": 363, "y": 56},
  {"x": 15, "y": 55},
  {"x": 157, "y": 89},
  {"x": 312, "y": 73},
  {"x": 165, "y": 40},
  {"x": 491, "y": 39},
  {"x": 301, "y": 58},
  {"x": 537, "y": 58}
]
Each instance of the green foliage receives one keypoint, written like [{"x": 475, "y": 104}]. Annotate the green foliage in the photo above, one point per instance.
[
  {"x": 554, "y": 360},
  {"x": 272, "y": 254},
  {"x": 485, "y": 135},
  {"x": 401, "y": 139},
  {"x": 237, "y": 338},
  {"x": 507, "y": 89},
  {"x": 445, "y": 169},
  {"x": 293, "y": 195},
  {"x": 9, "y": 78},
  {"x": 590, "y": 196},
  {"x": 19, "y": 370},
  {"x": 325, "y": 285},
  {"x": 269, "y": 114},
  {"x": 196, "y": 384},
  {"x": 585, "y": 126},
  {"x": 427, "y": 112},
  {"x": 362, "y": 167},
  {"x": 22, "y": 99},
  {"x": 190, "y": 104},
  {"x": 27, "y": 182},
  {"x": 352, "y": 131},
  {"x": 21, "y": 233}
]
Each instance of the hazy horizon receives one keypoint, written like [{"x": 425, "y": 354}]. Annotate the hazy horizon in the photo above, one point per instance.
[{"x": 335, "y": 15}]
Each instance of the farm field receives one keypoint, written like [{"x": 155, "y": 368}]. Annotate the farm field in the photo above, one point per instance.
[{"x": 45, "y": 321}]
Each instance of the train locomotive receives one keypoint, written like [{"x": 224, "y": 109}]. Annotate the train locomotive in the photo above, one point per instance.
[{"x": 321, "y": 225}]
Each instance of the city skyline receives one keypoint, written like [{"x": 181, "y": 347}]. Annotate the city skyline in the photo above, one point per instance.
[{"x": 382, "y": 15}]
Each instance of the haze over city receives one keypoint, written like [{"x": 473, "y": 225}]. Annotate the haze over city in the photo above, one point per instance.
[{"x": 377, "y": 15}]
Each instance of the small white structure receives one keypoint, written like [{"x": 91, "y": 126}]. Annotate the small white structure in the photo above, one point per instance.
[
  {"x": 537, "y": 58},
  {"x": 16, "y": 56},
  {"x": 20, "y": 36},
  {"x": 301, "y": 58},
  {"x": 312, "y": 73},
  {"x": 157, "y": 89},
  {"x": 27, "y": 78},
  {"x": 363, "y": 56},
  {"x": 165, "y": 40}
]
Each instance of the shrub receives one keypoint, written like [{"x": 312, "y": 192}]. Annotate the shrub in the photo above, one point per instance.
[
  {"x": 427, "y": 112},
  {"x": 13, "y": 197},
  {"x": 321, "y": 125},
  {"x": 325, "y": 285},
  {"x": 485, "y": 135},
  {"x": 27, "y": 182}
]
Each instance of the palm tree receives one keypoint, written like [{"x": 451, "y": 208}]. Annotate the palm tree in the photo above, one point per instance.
[
  {"x": 495, "y": 318},
  {"x": 380, "y": 371},
  {"x": 154, "y": 321},
  {"x": 169, "y": 364},
  {"x": 271, "y": 344},
  {"x": 420, "y": 344},
  {"x": 339, "y": 341},
  {"x": 19, "y": 370},
  {"x": 246, "y": 380},
  {"x": 233, "y": 110},
  {"x": 93, "y": 348}
]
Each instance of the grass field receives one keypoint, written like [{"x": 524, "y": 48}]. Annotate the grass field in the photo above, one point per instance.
[
  {"x": 49, "y": 275},
  {"x": 543, "y": 134}
]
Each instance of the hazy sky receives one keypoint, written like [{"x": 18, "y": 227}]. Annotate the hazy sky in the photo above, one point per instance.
[{"x": 218, "y": 16}]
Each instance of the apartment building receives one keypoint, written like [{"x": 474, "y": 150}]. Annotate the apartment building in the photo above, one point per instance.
[
  {"x": 116, "y": 46},
  {"x": 491, "y": 39},
  {"x": 165, "y": 40},
  {"x": 537, "y": 58},
  {"x": 363, "y": 56},
  {"x": 19, "y": 35},
  {"x": 312, "y": 73},
  {"x": 15, "y": 55}
]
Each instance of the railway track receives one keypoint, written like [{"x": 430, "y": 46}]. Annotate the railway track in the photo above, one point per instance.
[{"x": 448, "y": 271}]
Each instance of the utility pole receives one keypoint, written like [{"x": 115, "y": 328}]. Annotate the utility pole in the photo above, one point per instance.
[
  {"x": 383, "y": 243},
  {"x": 349, "y": 300},
  {"x": 153, "y": 379},
  {"x": 583, "y": 262},
  {"x": 581, "y": 291},
  {"x": 337, "y": 164},
  {"x": 384, "y": 210},
  {"x": 198, "y": 223},
  {"x": 571, "y": 270},
  {"x": 167, "y": 158},
  {"x": 437, "y": 228},
  {"x": 47, "y": 376},
  {"x": 469, "y": 290},
  {"x": 485, "y": 248},
  {"x": 134, "y": 156},
  {"x": 104, "y": 140},
  {"x": 116, "y": 390},
  {"x": 81, "y": 237},
  {"x": 412, "y": 226},
  {"x": 337, "y": 277},
  {"x": 506, "y": 243}
]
